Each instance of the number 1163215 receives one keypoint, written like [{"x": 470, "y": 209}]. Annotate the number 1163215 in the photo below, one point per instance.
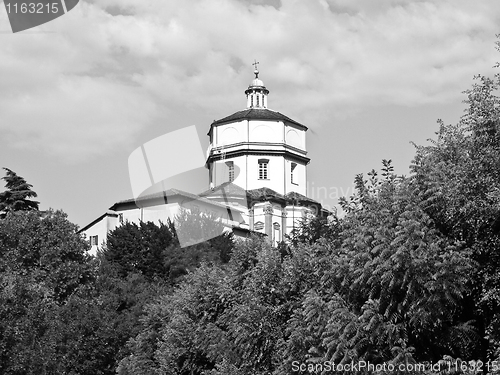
[{"x": 40, "y": 8}]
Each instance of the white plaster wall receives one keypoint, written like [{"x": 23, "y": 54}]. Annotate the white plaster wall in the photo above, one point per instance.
[
  {"x": 220, "y": 171},
  {"x": 99, "y": 229},
  {"x": 230, "y": 133},
  {"x": 275, "y": 173},
  {"x": 295, "y": 136},
  {"x": 264, "y": 135},
  {"x": 132, "y": 215},
  {"x": 300, "y": 182},
  {"x": 276, "y": 217},
  {"x": 266, "y": 131},
  {"x": 259, "y": 216},
  {"x": 161, "y": 213},
  {"x": 156, "y": 214},
  {"x": 240, "y": 171},
  {"x": 246, "y": 169}
]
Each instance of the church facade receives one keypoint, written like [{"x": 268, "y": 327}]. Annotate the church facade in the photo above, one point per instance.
[{"x": 257, "y": 170}]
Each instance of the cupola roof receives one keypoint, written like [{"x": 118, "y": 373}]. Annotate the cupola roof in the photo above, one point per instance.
[{"x": 258, "y": 114}]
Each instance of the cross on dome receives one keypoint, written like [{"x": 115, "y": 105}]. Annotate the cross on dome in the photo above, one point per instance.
[{"x": 256, "y": 70}]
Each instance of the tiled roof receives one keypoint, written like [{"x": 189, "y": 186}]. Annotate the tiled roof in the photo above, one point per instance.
[
  {"x": 257, "y": 114},
  {"x": 232, "y": 190},
  {"x": 297, "y": 197},
  {"x": 264, "y": 194},
  {"x": 258, "y": 195},
  {"x": 252, "y": 196}
]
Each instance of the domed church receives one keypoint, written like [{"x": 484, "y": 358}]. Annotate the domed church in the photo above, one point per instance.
[{"x": 257, "y": 171}]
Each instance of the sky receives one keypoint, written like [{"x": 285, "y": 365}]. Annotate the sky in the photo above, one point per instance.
[{"x": 79, "y": 94}]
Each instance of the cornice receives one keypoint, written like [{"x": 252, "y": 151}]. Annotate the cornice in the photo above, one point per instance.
[{"x": 269, "y": 152}]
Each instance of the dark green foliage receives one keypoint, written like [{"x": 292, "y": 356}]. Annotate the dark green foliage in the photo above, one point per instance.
[
  {"x": 140, "y": 248},
  {"x": 392, "y": 286},
  {"x": 62, "y": 312},
  {"x": 458, "y": 179},
  {"x": 224, "y": 245},
  {"x": 225, "y": 326},
  {"x": 383, "y": 284},
  {"x": 45, "y": 247},
  {"x": 154, "y": 250},
  {"x": 206, "y": 233},
  {"x": 121, "y": 301},
  {"x": 42, "y": 265},
  {"x": 24, "y": 319},
  {"x": 226, "y": 319},
  {"x": 193, "y": 227},
  {"x": 311, "y": 230},
  {"x": 15, "y": 198},
  {"x": 396, "y": 267},
  {"x": 84, "y": 336}
]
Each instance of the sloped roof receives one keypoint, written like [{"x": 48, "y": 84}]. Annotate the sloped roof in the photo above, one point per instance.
[
  {"x": 263, "y": 194},
  {"x": 258, "y": 195},
  {"x": 167, "y": 193},
  {"x": 297, "y": 197},
  {"x": 107, "y": 213},
  {"x": 228, "y": 188},
  {"x": 257, "y": 114},
  {"x": 156, "y": 196},
  {"x": 292, "y": 197}
]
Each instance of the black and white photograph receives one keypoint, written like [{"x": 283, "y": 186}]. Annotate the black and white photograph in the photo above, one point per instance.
[{"x": 249, "y": 187}]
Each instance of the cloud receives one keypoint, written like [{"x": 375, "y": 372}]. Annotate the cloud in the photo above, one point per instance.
[
  {"x": 74, "y": 118},
  {"x": 93, "y": 80}
]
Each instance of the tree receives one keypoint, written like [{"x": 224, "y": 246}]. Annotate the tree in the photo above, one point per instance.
[
  {"x": 225, "y": 318},
  {"x": 43, "y": 263},
  {"x": 458, "y": 179},
  {"x": 390, "y": 286},
  {"x": 193, "y": 226},
  {"x": 15, "y": 198},
  {"x": 311, "y": 230},
  {"x": 62, "y": 311},
  {"x": 46, "y": 247},
  {"x": 154, "y": 250},
  {"x": 140, "y": 248}
]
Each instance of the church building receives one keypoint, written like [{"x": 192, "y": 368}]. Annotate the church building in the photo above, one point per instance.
[{"x": 257, "y": 171}]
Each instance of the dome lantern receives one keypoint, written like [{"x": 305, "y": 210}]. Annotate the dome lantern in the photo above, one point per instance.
[{"x": 256, "y": 92}]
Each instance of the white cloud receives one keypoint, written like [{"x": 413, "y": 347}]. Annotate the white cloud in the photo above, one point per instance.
[
  {"x": 112, "y": 66},
  {"x": 76, "y": 118}
]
